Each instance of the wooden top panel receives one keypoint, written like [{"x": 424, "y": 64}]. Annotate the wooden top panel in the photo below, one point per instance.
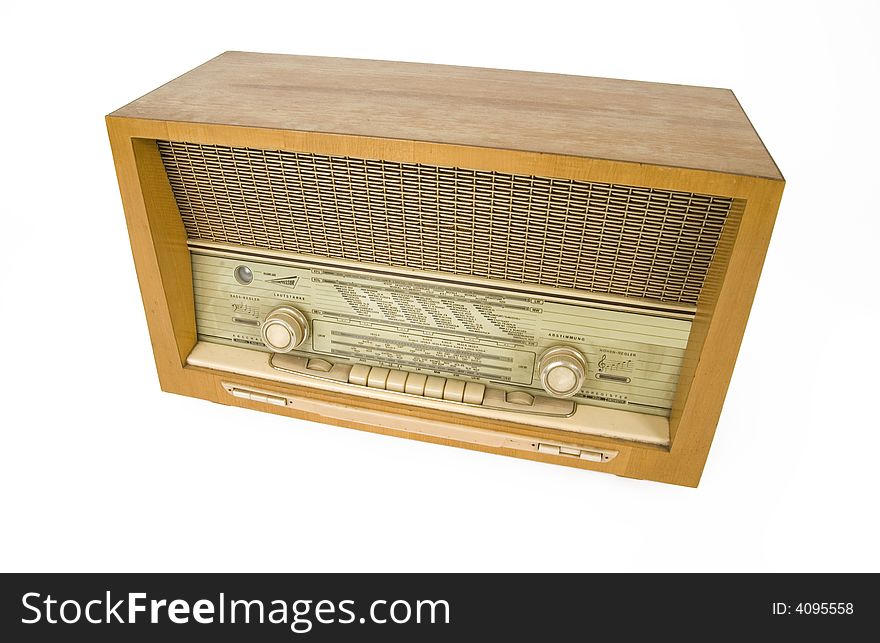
[{"x": 671, "y": 125}]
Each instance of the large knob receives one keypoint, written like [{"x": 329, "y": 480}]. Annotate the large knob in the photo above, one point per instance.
[
  {"x": 562, "y": 370},
  {"x": 284, "y": 329}
]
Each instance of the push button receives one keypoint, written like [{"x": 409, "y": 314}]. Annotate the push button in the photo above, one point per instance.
[
  {"x": 473, "y": 393},
  {"x": 454, "y": 391},
  {"x": 396, "y": 381},
  {"x": 318, "y": 364},
  {"x": 520, "y": 397},
  {"x": 415, "y": 384},
  {"x": 360, "y": 373},
  {"x": 434, "y": 387},
  {"x": 377, "y": 377}
]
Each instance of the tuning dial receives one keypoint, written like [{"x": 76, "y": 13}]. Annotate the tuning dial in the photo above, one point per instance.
[
  {"x": 284, "y": 329},
  {"x": 562, "y": 370}
]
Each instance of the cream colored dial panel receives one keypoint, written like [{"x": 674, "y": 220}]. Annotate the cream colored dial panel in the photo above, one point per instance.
[{"x": 440, "y": 325}]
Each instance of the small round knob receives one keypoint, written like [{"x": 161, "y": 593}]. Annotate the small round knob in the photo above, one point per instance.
[
  {"x": 562, "y": 370},
  {"x": 284, "y": 329}
]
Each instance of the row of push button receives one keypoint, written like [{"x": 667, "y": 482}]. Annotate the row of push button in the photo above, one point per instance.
[
  {"x": 440, "y": 388},
  {"x": 421, "y": 385}
]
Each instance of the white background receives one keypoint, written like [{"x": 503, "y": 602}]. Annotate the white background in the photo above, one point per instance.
[{"x": 100, "y": 471}]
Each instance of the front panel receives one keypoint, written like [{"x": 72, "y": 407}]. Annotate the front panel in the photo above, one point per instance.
[
  {"x": 486, "y": 332},
  {"x": 544, "y": 299}
]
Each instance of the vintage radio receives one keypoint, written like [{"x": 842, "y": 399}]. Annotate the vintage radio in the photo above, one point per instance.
[{"x": 551, "y": 267}]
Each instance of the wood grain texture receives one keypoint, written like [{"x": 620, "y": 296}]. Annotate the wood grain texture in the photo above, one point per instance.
[{"x": 636, "y": 122}]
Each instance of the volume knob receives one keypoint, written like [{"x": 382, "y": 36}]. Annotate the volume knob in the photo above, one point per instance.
[
  {"x": 284, "y": 329},
  {"x": 562, "y": 370}
]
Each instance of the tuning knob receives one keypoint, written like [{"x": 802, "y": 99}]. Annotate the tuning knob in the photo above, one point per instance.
[
  {"x": 284, "y": 329},
  {"x": 562, "y": 370}
]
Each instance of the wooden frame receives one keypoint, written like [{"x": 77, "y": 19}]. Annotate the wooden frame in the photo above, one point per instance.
[{"x": 163, "y": 267}]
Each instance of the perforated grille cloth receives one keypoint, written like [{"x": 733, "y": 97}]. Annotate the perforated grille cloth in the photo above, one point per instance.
[{"x": 631, "y": 241}]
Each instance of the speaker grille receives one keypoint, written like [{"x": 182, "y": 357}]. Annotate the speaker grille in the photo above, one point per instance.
[{"x": 617, "y": 239}]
